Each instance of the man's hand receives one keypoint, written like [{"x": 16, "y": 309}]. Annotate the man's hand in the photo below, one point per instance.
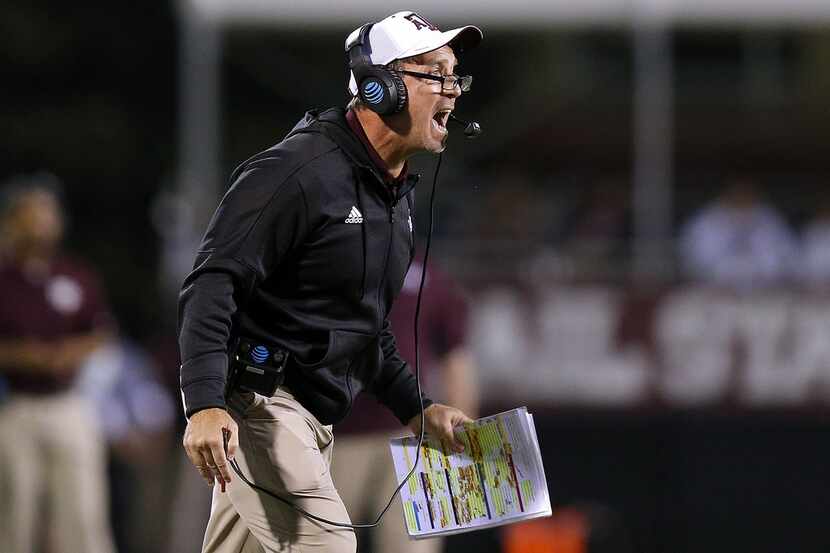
[
  {"x": 440, "y": 421},
  {"x": 204, "y": 443}
]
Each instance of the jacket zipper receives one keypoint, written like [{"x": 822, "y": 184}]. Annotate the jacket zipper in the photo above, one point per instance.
[
  {"x": 386, "y": 259},
  {"x": 380, "y": 289}
]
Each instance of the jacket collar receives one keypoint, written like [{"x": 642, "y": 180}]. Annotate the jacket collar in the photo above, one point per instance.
[{"x": 332, "y": 122}]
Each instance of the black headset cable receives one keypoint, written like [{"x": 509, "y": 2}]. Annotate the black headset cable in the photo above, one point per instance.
[{"x": 374, "y": 524}]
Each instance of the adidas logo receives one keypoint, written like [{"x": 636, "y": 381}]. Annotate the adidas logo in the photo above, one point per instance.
[{"x": 354, "y": 216}]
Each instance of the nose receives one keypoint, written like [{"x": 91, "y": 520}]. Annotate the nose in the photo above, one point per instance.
[{"x": 455, "y": 92}]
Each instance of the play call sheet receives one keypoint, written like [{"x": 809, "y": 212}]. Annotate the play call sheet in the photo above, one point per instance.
[{"x": 498, "y": 479}]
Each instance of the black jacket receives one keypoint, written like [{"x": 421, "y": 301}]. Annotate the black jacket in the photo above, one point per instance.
[{"x": 306, "y": 251}]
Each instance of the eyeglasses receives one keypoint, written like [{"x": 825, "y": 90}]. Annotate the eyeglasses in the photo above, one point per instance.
[{"x": 448, "y": 82}]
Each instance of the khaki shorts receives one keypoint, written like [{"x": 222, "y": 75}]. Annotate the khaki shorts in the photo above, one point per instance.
[{"x": 284, "y": 449}]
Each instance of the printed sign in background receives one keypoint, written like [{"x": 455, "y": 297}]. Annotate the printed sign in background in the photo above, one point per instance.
[{"x": 680, "y": 348}]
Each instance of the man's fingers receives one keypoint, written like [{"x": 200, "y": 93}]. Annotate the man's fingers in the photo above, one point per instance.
[
  {"x": 203, "y": 461},
  {"x": 441, "y": 422},
  {"x": 458, "y": 445},
  {"x": 220, "y": 461},
  {"x": 457, "y": 418},
  {"x": 231, "y": 441},
  {"x": 203, "y": 466},
  {"x": 449, "y": 434},
  {"x": 198, "y": 461},
  {"x": 204, "y": 442}
]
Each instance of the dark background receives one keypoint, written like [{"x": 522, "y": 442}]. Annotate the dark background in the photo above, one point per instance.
[{"x": 90, "y": 93}]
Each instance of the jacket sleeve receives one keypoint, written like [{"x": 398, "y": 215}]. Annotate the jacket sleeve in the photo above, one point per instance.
[
  {"x": 396, "y": 386},
  {"x": 261, "y": 220}
]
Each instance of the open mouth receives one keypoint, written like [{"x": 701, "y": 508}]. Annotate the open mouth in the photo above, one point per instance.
[{"x": 440, "y": 119}]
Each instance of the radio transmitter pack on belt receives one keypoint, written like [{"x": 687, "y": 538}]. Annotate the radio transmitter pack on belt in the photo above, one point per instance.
[{"x": 256, "y": 367}]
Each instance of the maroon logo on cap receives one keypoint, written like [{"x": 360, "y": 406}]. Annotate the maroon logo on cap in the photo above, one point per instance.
[{"x": 420, "y": 22}]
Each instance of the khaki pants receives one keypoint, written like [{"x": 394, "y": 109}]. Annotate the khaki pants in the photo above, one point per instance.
[
  {"x": 53, "y": 488},
  {"x": 284, "y": 449},
  {"x": 365, "y": 477}
]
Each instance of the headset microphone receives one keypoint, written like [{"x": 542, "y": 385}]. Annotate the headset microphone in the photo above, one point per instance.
[{"x": 471, "y": 128}]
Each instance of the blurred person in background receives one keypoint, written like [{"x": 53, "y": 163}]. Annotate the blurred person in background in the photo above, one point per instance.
[
  {"x": 739, "y": 241},
  {"x": 137, "y": 416},
  {"x": 304, "y": 257},
  {"x": 52, "y": 316},
  {"x": 815, "y": 249},
  {"x": 509, "y": 219},
  {"x": 596, "y": 233},
  {"x": 361, "y": 466}
]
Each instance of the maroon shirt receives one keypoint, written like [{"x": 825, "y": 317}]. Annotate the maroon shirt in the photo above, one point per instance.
[
  {"x": 64, "y": 302},
  {"x": 443, "y": 328}
]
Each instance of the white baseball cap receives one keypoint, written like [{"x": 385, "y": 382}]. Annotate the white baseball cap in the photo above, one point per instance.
[{"x": 406, "y": 34}]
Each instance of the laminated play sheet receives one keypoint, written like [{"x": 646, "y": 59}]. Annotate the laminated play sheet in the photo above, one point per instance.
[{"x": 498, "y": 479}]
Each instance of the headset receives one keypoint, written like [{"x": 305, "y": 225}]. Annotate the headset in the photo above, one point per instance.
[{"x": 381, "y": 89}]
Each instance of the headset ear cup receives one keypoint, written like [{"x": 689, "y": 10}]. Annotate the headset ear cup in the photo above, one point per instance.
[
  {"x": 402, "y": 92},
  {"x": 373, "y": 93},
  {"x": 382, "y": 91}
]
